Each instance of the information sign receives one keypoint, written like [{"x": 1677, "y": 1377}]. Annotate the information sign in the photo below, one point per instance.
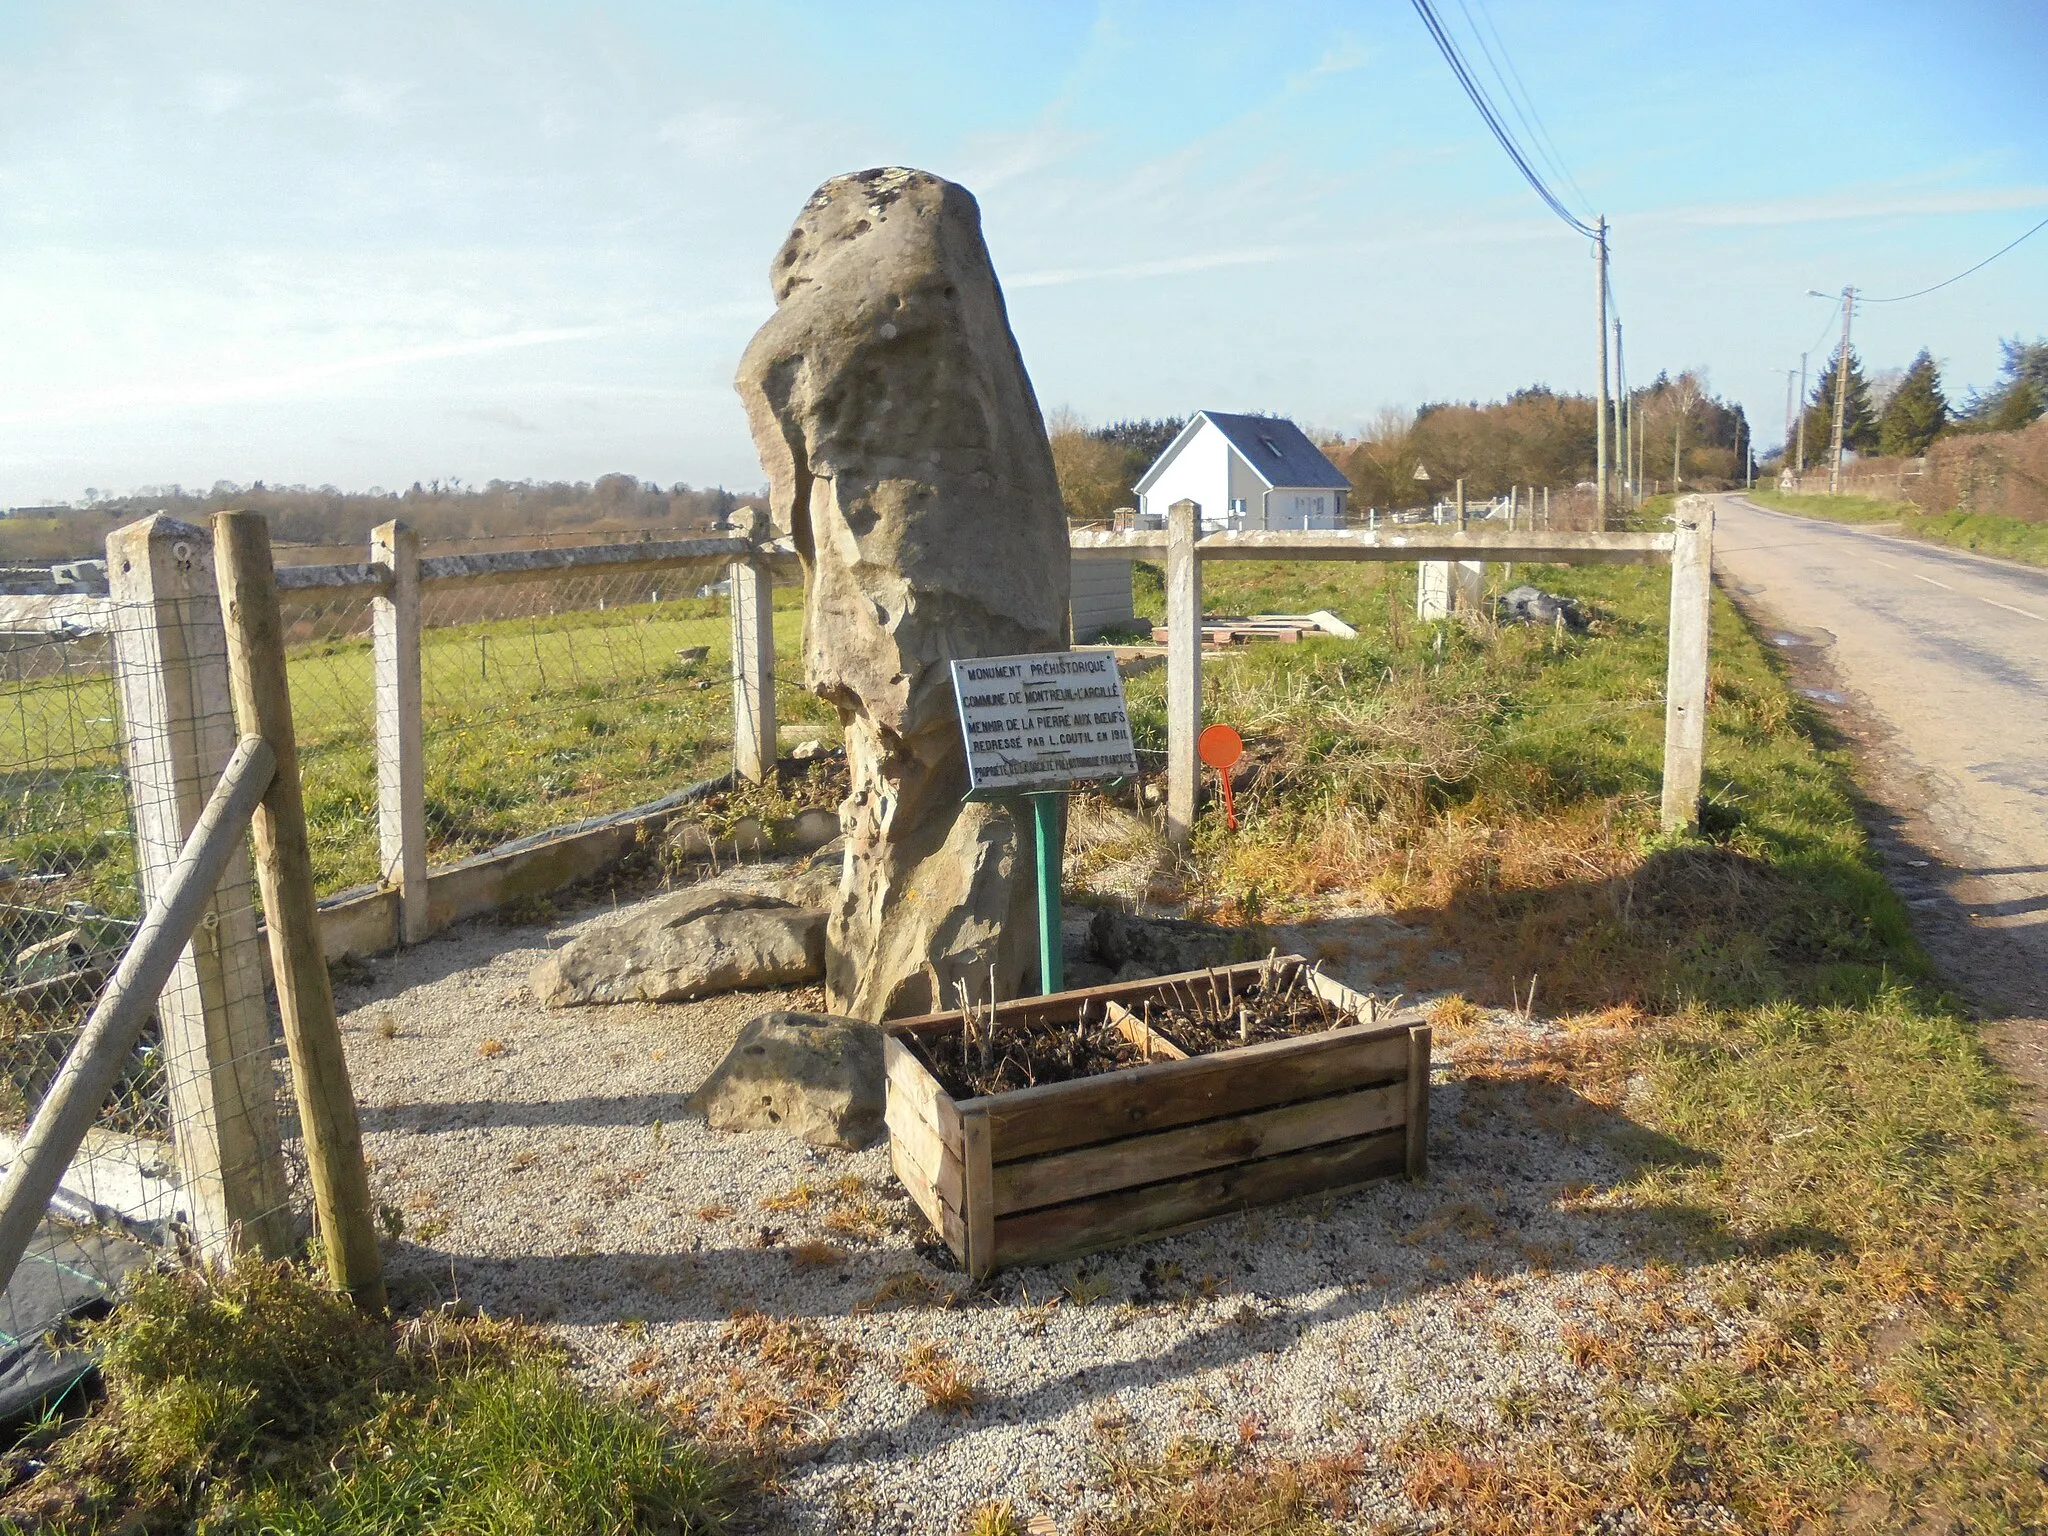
[{"x": 1041, "y": 722}]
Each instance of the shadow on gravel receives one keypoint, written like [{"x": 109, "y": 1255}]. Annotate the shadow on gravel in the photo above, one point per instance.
[
  {"x": 1529, "y": 1180},
  {"x": 431, "y": 1118}
]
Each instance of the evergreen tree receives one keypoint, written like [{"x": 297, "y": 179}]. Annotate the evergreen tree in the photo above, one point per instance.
[
  {"x": 1916, "y": 412},
  {"x": 2018, "y": 405},
  {"x": 1859, "y": 430}
]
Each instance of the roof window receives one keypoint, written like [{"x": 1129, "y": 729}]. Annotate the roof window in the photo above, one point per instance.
[{"x": 1271, "y": 447}]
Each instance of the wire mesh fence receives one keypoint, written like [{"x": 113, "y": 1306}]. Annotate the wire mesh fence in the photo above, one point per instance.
[
  {"x": 196, "y": 1140},
  {"x": 544, "y": 702}
]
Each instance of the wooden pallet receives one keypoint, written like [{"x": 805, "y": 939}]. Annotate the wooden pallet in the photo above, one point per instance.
[
  {"x": 1290, "y": 628},
  {"x": 1062, "y": 1169}
]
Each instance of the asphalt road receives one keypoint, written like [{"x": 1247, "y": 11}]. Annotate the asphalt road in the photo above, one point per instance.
[{"x": 1942, "y": 661}]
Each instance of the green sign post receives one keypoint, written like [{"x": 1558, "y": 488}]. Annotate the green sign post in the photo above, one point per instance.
[
  {"x": 1045, "y": 818},
  {"x": 1034, "y": 726}
]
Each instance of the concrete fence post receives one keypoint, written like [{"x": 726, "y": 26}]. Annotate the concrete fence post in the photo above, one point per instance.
[
  {"x": 1436, "y": 589},
  {"x": 753, "y": 656},
  {"x": 178, "y": 728},
  {"x": 1685, "y": 676},
  {"x": 1183, "y": 667},
  {"x": 401, "y": 750}
]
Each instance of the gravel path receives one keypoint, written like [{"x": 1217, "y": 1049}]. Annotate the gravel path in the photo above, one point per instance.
[{"x": 544, "y": 1165}]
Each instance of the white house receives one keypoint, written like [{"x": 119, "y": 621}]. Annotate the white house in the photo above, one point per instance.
[{"x": 1257, "y": 472}]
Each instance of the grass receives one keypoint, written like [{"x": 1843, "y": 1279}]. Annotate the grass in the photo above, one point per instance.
[
  {"x": 2010, "y": 538},
  {"x": 1836, "y": 509},
  {"x": 1845, "y": 1153},
  {"x": 262, "y": 1402},
  {"x": 2007, "y": 537},
  {"x": 529, "y": 723}
]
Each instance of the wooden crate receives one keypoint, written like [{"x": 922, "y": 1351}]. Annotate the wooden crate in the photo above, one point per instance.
[{"x": 1061, "y": 1169}]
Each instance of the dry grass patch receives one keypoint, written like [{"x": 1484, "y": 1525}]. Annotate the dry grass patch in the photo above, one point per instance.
[
  {"x": 904, "y": 1288},
  {"x": 848, "y": 1208},
  {"x": 948, "y": 1385},
  {"x": 816, "y": 1254},
  {"x": 1206, "y": 1488},
  {"x": 790, "y": 1373}
]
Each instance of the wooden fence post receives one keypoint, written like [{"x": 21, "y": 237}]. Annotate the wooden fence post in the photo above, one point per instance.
[
  {"x": 1685, "y": 674},
  {"x": 1183, "y": 667},
  {"x": 401, "y": 750},
  {"x": 284, "y": 867},
  {"x": 753, "y": 657},
  {"x": 170, "y": 658}
]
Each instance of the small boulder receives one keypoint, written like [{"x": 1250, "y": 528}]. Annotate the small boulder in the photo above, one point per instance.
[
  {"x": 815, "y": 1075},
  {"x": 1132, "y": 947},
  {"x": 710, "y": 938}
]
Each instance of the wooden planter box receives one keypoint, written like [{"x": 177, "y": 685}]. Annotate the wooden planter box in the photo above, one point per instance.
[{"x": 1061, "y": 1169}]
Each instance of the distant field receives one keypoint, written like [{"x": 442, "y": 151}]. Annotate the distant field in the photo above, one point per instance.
[{"x": 530, "y": 723}]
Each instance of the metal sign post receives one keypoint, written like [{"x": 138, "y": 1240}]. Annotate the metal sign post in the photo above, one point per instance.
[{"x": 1034, "y": 726}]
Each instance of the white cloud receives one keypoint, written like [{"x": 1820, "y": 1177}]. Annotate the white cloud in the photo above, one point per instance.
[
  {"x": 1842, "y": 206},
  {"x": 374, "y": 101},
  {"x": 291, "y": 381},
  {"x": 1342, "y": 57},
  {"x": 216, "y": 93},
  {"x": 1167, "y": 266}
]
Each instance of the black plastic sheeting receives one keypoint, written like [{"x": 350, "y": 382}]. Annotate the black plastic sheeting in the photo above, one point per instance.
[{"x": 69, "y": 1272}]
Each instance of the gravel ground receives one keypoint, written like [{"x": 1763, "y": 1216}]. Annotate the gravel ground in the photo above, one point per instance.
[{"x": 544, "y": 1165}]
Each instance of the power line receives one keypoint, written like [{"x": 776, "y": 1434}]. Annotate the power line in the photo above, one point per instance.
[
  {"x": 1518, "y": 97},
  {"x": 1902, "y": 297},
  {"x": 1491, "y": 115},
  {"x": 1831, "y": 321}
]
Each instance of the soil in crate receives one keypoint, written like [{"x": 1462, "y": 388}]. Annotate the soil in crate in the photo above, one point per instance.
[
  {"x": 1220, "y": 1011},
  {"x": 983, "y": 1058}
]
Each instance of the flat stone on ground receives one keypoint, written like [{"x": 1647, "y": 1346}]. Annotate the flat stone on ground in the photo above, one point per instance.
[{"x": 714, "y": 937}]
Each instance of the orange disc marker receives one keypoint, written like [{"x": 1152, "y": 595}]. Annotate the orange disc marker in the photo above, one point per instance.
[{"x": 1220, "y": 747}]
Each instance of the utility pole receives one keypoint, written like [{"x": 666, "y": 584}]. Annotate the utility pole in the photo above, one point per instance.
[
  {"x": 1802, "y": 417},
  {"x": 1786, "y": 453},
  {"x": 1620, "y": 458},
  {"x": 1600, "y": 326},
  {"x": 1841, "y": 393},
  {"x": 1627, "y": 453}
]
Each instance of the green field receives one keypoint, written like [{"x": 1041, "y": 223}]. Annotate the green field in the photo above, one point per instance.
[{"x": 529, "y": 723}]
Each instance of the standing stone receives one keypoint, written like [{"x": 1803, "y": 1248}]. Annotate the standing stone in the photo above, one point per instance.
[{"x": 908, "y": 462}]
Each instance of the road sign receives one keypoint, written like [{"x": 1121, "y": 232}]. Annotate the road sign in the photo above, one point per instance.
[
  {"x": 1042, "y": 722},
  {"x": 1420, "y": 473}
]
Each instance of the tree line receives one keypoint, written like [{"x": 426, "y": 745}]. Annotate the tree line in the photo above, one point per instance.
[
  {"x": 1902, "y": 416},
  {"x": 443, "y": 511},
  {"x": 1535, "y": 437}
]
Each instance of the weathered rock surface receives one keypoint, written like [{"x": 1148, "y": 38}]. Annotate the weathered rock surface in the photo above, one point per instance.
[
  {"x": 746, "y": 930},
  {"x": 1130, "y": 947},
  {"x": 908, "y": 462},
  {"x": 814, "y": 1075}
]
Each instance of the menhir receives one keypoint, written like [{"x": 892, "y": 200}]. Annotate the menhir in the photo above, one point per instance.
[{"x": 907, "y": 459}]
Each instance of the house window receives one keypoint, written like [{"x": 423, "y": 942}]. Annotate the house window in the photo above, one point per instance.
[{"x": 1271, "y": 447}]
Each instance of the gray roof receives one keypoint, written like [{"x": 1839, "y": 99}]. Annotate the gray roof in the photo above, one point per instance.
[{"x": 1278, "y": 451}]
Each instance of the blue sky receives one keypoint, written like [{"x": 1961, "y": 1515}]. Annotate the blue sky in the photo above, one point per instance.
[{"x": 373, "y": 244}]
